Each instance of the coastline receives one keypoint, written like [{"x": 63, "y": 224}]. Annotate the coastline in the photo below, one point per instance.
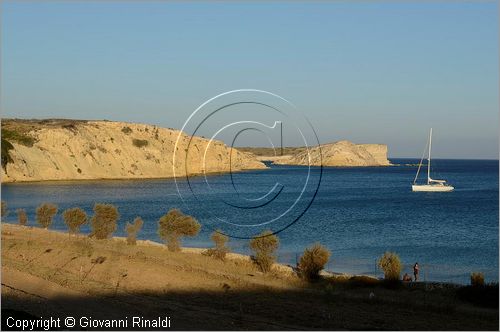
[
  {"x": 231, "y": 256},
  {"x": 281, "y": 267},
  {"x": 145, "y": 178},
  {"x": 51, "y": 274},
  {"x": 149, "y": 198}
]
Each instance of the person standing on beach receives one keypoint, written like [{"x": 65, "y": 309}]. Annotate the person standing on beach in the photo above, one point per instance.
[{"x": 415, "y": 271}]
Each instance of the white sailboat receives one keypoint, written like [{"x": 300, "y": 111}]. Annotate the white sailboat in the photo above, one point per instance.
[{"x": 432, "y": 185}]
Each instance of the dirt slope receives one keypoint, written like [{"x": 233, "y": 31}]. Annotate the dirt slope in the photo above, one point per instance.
[{"x": 46, "y": 273}]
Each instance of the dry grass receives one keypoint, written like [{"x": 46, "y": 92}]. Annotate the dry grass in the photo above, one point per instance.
[
  {"x": 313, "y": 261},
  {"x": 106, "y": 279},
  {"x": 174, "y": 225},
  {"x": 45, "y": 213},
  {"x": 265, "y": 245},
  {"x": 103, "y": 222},
  {"x": 391, "y": 265},
  {"x": 132, "y": 230},
  {"x": 74, "y": 218}
]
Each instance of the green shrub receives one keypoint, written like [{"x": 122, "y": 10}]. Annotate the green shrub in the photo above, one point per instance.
[
  {"x": 74, "y": 218},
  {"x": 127, "y": 130},
  {"x": 6, "y": 157},
  {"x": 44, "y": 214},
  {"x": 174, "y": 225},
  {"x": 220, "y": 249},
  {"x": 14, "y": 136},
  {"x": 313, "y": 261},
  {"x": 22, "y": 217},
  {"x": 264, "y": 246},
  {"x": 132, "y": 230},
  {"x": 391, "y": 265},
  {"x": 140, "y": 142},
  {"x": 4, "y": 210},
  {"x": 103, "y": 222},
  {"x": 477, "y": 279}
]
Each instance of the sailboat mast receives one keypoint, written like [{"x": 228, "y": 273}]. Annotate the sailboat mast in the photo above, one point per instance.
[{"x": 429, "y": 159}]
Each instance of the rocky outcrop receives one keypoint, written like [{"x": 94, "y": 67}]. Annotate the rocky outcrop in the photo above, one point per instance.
[
  {"x": 342, "y": 153},
  {"x": 378, "y": 152},
  {"x": 77, "y": 150}
]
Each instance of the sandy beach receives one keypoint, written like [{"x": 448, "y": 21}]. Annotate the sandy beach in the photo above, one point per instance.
[{"x": 52, "y": 274}]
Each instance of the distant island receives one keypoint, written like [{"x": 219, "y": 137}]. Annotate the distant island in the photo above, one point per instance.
[
  {"x": 341, "y": 154},
  {"x": 63, "y": 149}
]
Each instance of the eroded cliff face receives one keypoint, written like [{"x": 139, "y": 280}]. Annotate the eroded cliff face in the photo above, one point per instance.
[
  {"x": 342, "y": 153},
  {"x": 77, "y": 150},
  {"x": 378, "y": 152}
]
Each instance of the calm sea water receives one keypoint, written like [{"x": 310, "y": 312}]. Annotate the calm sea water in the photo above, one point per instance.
[{"x": 358, "y": 213}]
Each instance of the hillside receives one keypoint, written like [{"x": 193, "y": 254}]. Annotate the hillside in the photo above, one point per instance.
[
  {"x": 341, "y": 153},
  {"x": 39, "y": 150},
  {"x": 50, "y": 274}
]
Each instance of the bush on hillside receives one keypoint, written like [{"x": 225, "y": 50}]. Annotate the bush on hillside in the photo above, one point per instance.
[
  {"x": 103, "y": 222},
  {"x": 22, "y": 217},
  {"x": 140, "y": 142},
  {"x": 132, "y": 230},
  {"x": 6, "y": 157},
  {"x": 45, "y": 213},
  {"x": 18, "y": 137},
  {"x": 74, "y": 218},
  {"x": 126, "y": 130},
  {"x": 477, "y": 279},
  {"x": 264, "y": 245},
  {"x": 391, "y": 265},
  {"x": 220, "y": 249},
  {"x": 313, "y": 261},
  {"x": 174, "y": 225}
]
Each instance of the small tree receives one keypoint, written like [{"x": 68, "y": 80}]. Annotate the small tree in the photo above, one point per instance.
[
  {"x": 313, "y": 261},
  {"x": 22, "y": 217},
  {"x": 220, "y": 249},
  {"x": 174, "y": 225},
  {"x": 74, "y": 218},
  {"x": 103, "y": 222},
  {"x": 44, "y": 214},
  {"x": 264, "y": 246},
  {"x": 477, "y": 279},
  {"x": 391, "y": 265},
  {"x": 132, "y": 230},
  {"x": 4, "y": 211}
]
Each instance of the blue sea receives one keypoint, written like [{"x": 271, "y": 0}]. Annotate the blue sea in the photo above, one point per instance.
[{"x": 358, "y": 213}]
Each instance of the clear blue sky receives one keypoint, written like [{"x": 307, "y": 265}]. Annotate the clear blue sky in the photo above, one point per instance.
[{"x": 366, "y": 72}]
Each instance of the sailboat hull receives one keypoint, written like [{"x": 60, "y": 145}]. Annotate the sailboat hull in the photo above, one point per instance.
[{"x": 431, "y": 187}]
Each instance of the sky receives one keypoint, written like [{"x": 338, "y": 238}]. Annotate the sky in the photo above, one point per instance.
[{"x": 366, "y": 72}]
